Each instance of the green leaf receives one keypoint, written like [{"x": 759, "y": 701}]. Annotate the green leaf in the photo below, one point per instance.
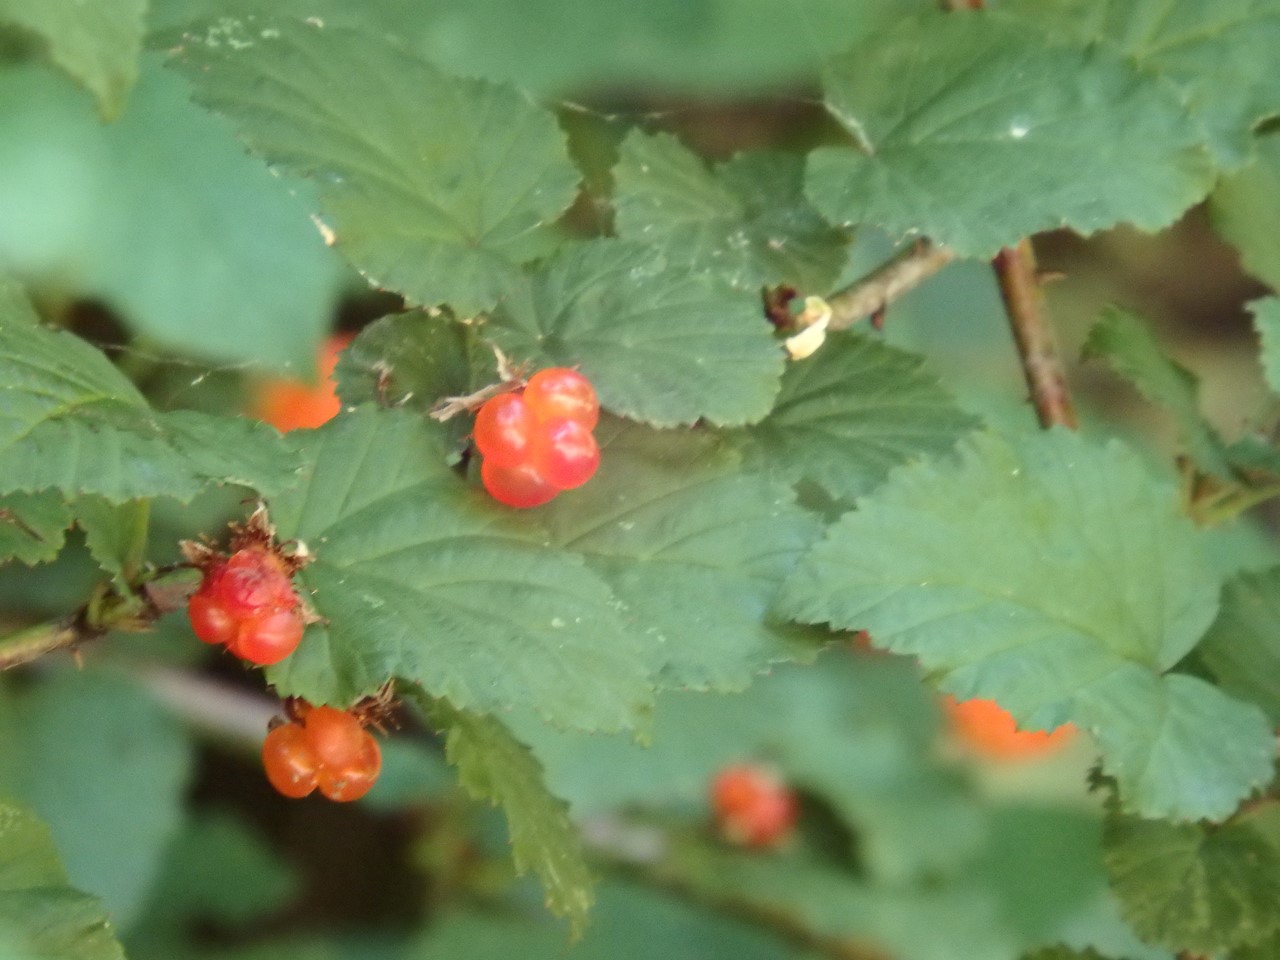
[
  {"x": 74, "y": 422},
  {"x": 97, "y": 44},
  {"x": 694, "y": 547},
  {"x": 431, "y": 185},
  {"x": 630, "y": 922},
  {"x": 163, "y": 218},
  {"x": 950, "y": 138},
  {"x": 116, "y": 534},
  {"x": 849, "y": 414},
  {"x": 218, "y": 869},
  {"x": 495, "y": 766},
  {"x": 1064, "y": 953},
  {"x": 1266, "y": 319},
  {"x": 1133, "y": 352},
  {"x": 1220, "y": 55},
  {"x": 33, "y": 526},
  {"x": 41, "y": 917},
  {"x": 414, "y": 360},
  {"x": 1242, "y": 648},
  {"x": 746, "y": 220},
  {"x": 420, "y": 575},
  {"x": 1192, "y": 887},
  {"x": 857, "y": 731},
  {"x": 661, "y": 343},
  {"x": 1245, "y": 207},
  {"x": 107, "y": 769},
  {"x": 1055, "y": 577}
]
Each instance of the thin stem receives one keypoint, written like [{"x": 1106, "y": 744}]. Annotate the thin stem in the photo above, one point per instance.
[
  {"x": 35, "y": 641},
  {"x": 136, "y": 550},
  {"x": 1024, "y": 303},
  {"x": 875, "y": 291}
]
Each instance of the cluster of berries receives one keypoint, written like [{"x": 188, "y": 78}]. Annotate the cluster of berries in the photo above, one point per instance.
[
  {"x": 247, "y": 602},
  {"x": 539, "y": 441},
  {"x": 752, "y": 806},
  {"x": 321, "y": 747}
]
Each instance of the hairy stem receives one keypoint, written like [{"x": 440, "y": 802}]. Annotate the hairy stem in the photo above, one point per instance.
[
  {"x": 875, "y": 291},
  {"x": 1024, "y": 303}
]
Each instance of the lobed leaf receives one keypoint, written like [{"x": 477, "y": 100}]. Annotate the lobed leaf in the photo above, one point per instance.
[
  {"x": 1266, "y": 320},
  {"x": 493, "y": 765},
  {"x": 40, "y": 915},
  {"x": 33, "y": 526},
  {"x": 420, "y": 576},
  {"x": 1195, "y": 888},
  {"x": 747, "y": 219},
  {"x": 694, "y": 548},
  {"x": 1055, "y": 577},
  {"x": 1220, "y": 55},
  {"x": 114, "y": 533},
  {"x": 97, "y": 44},
  {"x": 433, "y": 186},
  {"x": 662, "y": 344},
  {"x": 1242, "y": 648},
  {"x": 982, "y": 108},
  {"x": 849, "y": 414},
  {"x": 73, "y": 422},
  {"x": 1244, "y": 208},
  {"x": 1127, "y": 343}
]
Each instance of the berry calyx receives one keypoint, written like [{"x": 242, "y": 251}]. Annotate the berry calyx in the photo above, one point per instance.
[
  {"x": 753, "y": 807},
  {"x": 565, "y": 453},
  {"x": 989, "y": 730},
  {"x": 520, "y": 487},
  {"x": 325, "y": 748},
  {"x": 504, "y": 430},
  {"x": 559, "y": 392}
]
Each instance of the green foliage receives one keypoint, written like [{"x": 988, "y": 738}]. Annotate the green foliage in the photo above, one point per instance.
[
  {"x": 662, "y": 344},
  {"x": 33, "y": 526},
  {"x": 849, "y": 414},
  {"x": 1245, "y": 206},
  {"x": 493, "y": 765},
  {"x": 694, "y": 548},
  {"x": 943, "y": 146},
  {"x": 114, "y": 533},
  {"x": 1266, "y": 318},
  {"x": 161, "y": 216},
  {"x": 92, "y": 728},
  {"x": 1194, "y": 887},
  {"x": 74, "y": 422},
  {"x": 408, "y": 560},
  {"x": 1219, "y": 55},
  {"x": 746, "y": 219},
  {"x": 1242, "y": 648},
  {"x": 97, "y": 45},
  {"x": 431, "y": 185},
  {"x": 1128, "y": 345},
  {"x": 41, "y": 917},
  {"x": 1054, "y": 576}
]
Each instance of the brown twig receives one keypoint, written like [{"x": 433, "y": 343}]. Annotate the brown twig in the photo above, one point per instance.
[
  {"x": 1024, "y": 303},
  {"x": 869, "y": 295}
]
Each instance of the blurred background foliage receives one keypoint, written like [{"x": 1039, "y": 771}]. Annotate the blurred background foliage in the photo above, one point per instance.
[{"x": 157, "y": 238}]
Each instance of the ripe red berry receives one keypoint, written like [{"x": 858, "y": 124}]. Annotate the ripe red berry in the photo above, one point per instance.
[
  {"x": 210, "y": 620},
  {"x": 561, "y": 392},
  {"x": 504, "y": 430},
  {"x": 289, "y": 761},
  {"x": 520, "y": 487},
  {"x": 268, "y": 637},
  {"x": 565, "y": 453},
  {"x": 336, "y": 736},
  {"x": 247, "y": 601},
  {"x": 353, "y": 779},
  {"x": 752, "y": 806}
]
